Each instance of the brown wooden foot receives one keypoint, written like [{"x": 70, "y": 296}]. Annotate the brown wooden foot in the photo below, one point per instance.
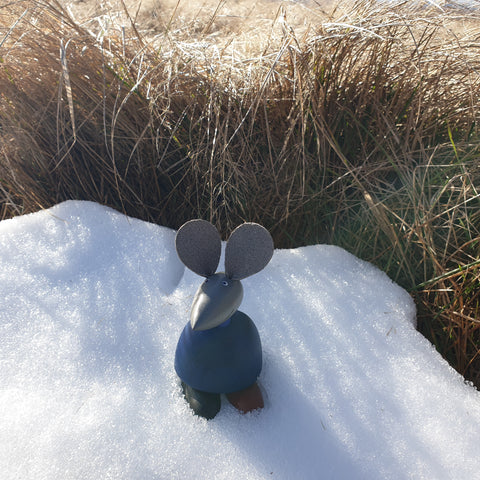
[{"x": 247, "y": 400}]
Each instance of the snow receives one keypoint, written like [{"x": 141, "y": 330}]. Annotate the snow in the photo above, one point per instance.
[{"x": 92, "y": 304}]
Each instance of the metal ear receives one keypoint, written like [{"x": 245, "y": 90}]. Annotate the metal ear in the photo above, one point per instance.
[
  {"x": 199, "y": 245},
  {"x": 249, "y": 249}
]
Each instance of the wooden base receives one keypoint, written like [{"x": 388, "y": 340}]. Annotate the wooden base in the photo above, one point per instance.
[{"x": 248, "y": 399}]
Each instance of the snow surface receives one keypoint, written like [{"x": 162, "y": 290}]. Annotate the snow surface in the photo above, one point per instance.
[{"x": 92, "y": 304}]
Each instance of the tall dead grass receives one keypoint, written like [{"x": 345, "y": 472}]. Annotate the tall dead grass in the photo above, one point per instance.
[{"x": 359, "y": 127}]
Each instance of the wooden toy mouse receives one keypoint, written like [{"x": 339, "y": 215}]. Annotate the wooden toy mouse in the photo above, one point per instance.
[{"x": 219, "y": 350}]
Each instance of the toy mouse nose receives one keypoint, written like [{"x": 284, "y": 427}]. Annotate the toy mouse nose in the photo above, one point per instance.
[
  {"x": 203, "y": 316},
  {"x": 217, "y": 299}
]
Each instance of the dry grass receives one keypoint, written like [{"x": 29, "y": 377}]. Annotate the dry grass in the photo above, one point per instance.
[{"x": 356, "y": 125}]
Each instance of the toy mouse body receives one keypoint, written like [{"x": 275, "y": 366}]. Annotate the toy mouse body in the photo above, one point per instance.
[
  {"x": 224, "y": 359},
  {"x": 219, "y": 350}
]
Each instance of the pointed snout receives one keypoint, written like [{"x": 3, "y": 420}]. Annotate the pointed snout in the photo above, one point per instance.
[{"x": 216, "y": 300}]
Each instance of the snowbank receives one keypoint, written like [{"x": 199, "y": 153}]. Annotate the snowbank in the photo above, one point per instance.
[{"x": 91, "y": 307}]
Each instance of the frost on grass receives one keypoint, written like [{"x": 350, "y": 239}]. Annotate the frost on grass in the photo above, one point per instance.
[{"x": 92, "y": 304}]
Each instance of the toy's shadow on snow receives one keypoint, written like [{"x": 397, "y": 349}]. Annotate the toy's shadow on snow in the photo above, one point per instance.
[
  {"x": 278, "y": 439},
  {"x": 324, "y": 362}
]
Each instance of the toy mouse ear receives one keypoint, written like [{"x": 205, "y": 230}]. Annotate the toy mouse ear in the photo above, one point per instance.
[
  {"x": 199, "y": 246},
  {"x": 249, "y": 249}
]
